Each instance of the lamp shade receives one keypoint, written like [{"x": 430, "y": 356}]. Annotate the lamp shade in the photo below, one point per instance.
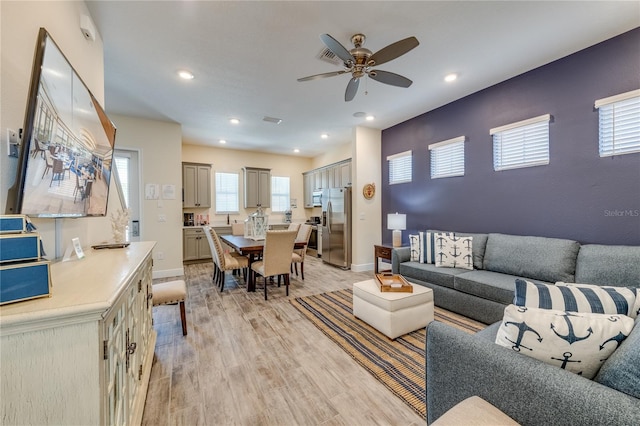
[{"x": 397, "y": 221}]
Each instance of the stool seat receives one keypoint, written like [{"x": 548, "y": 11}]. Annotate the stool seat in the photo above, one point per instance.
[{"x": 171, "y": 293}]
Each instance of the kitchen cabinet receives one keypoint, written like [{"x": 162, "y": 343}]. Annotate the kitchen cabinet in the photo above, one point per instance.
[
  {"x": 257, "y": 187},
  {"x": 337, "y": 175},
  {"x": 345, "y": 174},
  {"x": 195, "y": 245},
  {"x": 308, "y": 182},
  {"x": 196, "y": 185},
  {"x": 84, "y": 355}
]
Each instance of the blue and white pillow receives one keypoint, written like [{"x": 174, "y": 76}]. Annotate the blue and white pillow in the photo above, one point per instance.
[
  {"x": 454, "y": 252},
  {"x": 414, "y": 242},
  {"x": 430, "y": 244},
  {"x": 577, "y": 342},
  {"x": 577, "y": 297}
]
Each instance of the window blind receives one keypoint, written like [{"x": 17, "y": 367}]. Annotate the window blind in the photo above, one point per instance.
[
  {"x": 619, "y": 124},
  {"x": 400, "y": 167},
  {"x": 122, "y": 168},
  {"x": 280, "y": 197},
  {"x": 447, "y": 158},
  {"x": 521, "y": 144},
  {"x": 227, "y": 199}
]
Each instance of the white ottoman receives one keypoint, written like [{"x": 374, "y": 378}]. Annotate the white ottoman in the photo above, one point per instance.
[{"x": 392, "y": 313}]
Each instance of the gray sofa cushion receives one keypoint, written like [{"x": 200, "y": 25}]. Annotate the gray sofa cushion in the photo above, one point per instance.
[
  {"x": 488, "y": 285},
  {"x": 430, "y": 273},
  {"x": 478, "y": 247},
  {"x": 540, "y": 258},
  {"x": 608, "y": 265},
  {"x": 622, "y": 370}
]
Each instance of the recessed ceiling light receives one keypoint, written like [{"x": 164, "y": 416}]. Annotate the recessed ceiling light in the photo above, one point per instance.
[
  {"x": 370, "y": 117},
  {"x": 359, "y": 114},
  {"x": 324, "y": 136},
  {"x": 234, "y": 121},
  {"x": 222, "y": 141},
  {"x": 450, "y": 77},
  {"x": 296, "y": 150},
  {"x": 186, "y": 75}
]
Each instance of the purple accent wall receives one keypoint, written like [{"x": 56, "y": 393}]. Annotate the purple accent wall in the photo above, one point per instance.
[{"x": 579, "y": 195}]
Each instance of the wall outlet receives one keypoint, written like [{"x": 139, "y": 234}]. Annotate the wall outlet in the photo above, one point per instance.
[
  {"x": 160, "y": 255},
  {"x": 13, "y": 142},
  {"x": 162, "y": 218}
]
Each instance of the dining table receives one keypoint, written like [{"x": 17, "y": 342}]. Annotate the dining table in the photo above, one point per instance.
[{"x": 252, "y": 249}]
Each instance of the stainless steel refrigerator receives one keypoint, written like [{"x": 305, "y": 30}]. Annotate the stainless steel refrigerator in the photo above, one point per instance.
[{"x": 336, "y": 227}]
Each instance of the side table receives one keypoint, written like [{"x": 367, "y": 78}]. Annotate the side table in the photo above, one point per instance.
[{"x": 381, "y": 252}]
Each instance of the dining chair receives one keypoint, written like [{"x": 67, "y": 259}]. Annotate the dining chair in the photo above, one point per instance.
[
  {"x": 227, "y": 261},
  {"x": 38, "y": 148},
  {"x": 304, "y": 233},
  {"x": 57, "y": 171},
  {"x": 49, "y": 163},
  {"x": 276, "y": 258},
  {"x": 214, "y": 256},
  {"x": 237, "y": 229},
  {"x": 293, "y": 227}
]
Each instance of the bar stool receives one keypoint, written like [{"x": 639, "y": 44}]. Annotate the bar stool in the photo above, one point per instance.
[{"x": 172, "y": 293}]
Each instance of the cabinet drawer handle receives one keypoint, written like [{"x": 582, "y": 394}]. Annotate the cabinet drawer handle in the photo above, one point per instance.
[{"x": 131, "y": 348}]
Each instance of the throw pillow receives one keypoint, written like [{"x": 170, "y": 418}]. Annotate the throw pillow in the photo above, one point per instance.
[
  {"x": 453, "y": 251},
  {"x": 577, "y": 342},
  {"x": 575, "y": 297},
  {"x": 427, "y": 242},
  {"x": 414, "y": 242},
  {"x": 626, "y": 299}
]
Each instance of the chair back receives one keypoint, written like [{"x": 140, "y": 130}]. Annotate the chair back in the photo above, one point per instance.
[
  {"x": 212, "y": 246},
  {"x": 278, "y": 247},
  {"x": 293, "y": 227},
  {"x": 304, "y": 234},
  {"x": 237, "y": 229},
  {"x": 48, "y": 158}
]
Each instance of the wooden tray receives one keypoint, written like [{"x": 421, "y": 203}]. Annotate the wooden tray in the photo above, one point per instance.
[{"x": 393, "y": 283}]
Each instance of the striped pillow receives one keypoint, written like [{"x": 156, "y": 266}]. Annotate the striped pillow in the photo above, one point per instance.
[
  {"x": 430, "y": 243},
  {"x": 577, "y": 297}
]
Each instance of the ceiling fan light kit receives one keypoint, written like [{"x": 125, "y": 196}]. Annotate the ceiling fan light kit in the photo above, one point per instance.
[{"x": 360, "y": 60}]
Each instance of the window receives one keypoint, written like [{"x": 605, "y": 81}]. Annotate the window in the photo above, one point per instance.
[
  {"x": 447, "y": 158},
  {"x": 619, "y": 124},
  {"x": 280, "y": 197},
  {"x": 521, "y": 144},
  {"x": 227, "y": 200},
  {"x": 122, "y": 169},
  {"x": 400, "y": 167}
]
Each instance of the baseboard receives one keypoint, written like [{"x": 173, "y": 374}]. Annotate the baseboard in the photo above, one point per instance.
[
  {"x": 167, "y": 273},
  {"x": 362, "y": 268}
]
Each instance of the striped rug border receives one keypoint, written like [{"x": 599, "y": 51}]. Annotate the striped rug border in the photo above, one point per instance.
[{"x": 398, "y": 364}]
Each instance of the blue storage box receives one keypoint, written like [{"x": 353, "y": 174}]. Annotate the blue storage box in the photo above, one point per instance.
[
  {"x": 24, "y": 281},
  {"x": 19, "y": 247},
  {"x": 13, "y": 223}
]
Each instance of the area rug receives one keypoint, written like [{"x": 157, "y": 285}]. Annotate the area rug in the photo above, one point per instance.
[{"x": 398, "y": 364}]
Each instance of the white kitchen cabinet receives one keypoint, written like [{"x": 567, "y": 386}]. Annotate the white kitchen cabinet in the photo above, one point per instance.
[
  {"x": 257, "y": 187},
  {"x": 84, "y": 355},
  {"x": 196, "y": 185}
]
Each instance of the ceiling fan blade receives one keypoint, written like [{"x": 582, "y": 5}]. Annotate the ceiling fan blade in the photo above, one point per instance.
[
  {"x": 338, "y": 49},
  {"x": 323, "y": 75},
  {"x": 387, "y": 77},
  {"x": 392, "y": 51},
  {"x": 352, "y": 89}
]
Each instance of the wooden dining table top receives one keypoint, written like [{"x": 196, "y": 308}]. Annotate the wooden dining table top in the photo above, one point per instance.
[{"x": 249, "y": 245}]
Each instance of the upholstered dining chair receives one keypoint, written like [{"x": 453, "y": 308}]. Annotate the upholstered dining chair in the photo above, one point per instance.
[
  {"x": 304, "y": 233},
  {"x": 293, "y": 227},
  {"x": 276, "y": 258},
  {"x": 237, "y": 229},
  {"x": 214, "y": 255},
  {"x": 227, "y": 261},
  {"x": 49, "y": 163}
]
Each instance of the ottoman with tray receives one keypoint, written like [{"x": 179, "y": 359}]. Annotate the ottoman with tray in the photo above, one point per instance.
[{"x": 392, "y": 313}]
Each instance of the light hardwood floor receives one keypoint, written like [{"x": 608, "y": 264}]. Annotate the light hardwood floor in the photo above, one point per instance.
[{"x": 247, "y": 361}]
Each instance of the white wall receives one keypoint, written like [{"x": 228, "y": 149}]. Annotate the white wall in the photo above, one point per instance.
[
  {"x": 367, "y": 220},
  {"x": 159, "y": 145},
  {"x": 342, "y": 152},
  {"x": 19, "y": 25}
]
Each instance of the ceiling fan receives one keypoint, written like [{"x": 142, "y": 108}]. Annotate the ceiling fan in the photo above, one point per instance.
[{"x": 360, "y": 61}]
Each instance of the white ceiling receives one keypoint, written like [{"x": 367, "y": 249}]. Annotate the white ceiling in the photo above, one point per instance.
[{"x": 246, "y": 57}]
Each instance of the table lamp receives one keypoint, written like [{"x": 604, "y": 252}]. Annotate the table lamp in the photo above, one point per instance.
[{"x": 398, "y": 223}]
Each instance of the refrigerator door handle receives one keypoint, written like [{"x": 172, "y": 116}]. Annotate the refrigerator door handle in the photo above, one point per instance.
[{"x": 329, "y": 213}]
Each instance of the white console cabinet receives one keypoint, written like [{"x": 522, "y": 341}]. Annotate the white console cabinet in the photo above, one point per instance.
[{"x": 84, "y": 355}]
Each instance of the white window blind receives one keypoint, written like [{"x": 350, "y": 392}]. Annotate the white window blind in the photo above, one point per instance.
[
  {"x": 400, "y": 167},
  {"x": 619, "y": 124},
  {"x": 521, "y": 144},
  {"x": 227, "y": 198},
  {"x": 122, "y": 168},
  {"x": 447, "y": 158},
  {"x": 280, "y": 194}
]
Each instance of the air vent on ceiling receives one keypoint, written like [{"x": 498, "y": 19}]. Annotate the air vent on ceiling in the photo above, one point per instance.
[
  {"x": 272, "y": 120},
  {"x": 328, "y": 56}
]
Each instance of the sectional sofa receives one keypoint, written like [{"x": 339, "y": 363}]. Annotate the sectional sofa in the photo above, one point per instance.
[{"x": 499, "y": 259}]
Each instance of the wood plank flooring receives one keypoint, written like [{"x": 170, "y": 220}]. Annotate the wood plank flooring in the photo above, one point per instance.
[{"x": 247, "y": 361}]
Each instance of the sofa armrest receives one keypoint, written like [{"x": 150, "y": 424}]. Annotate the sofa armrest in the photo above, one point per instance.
[
  {"x": 399, "y": 255},
  {"x": 459, "y": 365}
]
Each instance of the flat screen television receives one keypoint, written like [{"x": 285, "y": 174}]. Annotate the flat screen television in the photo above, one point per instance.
[{"x": 65, "y": 162}]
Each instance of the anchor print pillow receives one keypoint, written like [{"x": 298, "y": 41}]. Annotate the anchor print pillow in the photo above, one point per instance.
[
  {"x": 576, "y": 342},
  {"x": 577, "y": 297},
  {"x": 453, "y": 251},
  {"x": 414, "y": 242}
]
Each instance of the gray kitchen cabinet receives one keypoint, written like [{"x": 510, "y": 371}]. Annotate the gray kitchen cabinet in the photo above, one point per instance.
[
  {"x": 257, "y": 187},
  {"x": 195, "y": 245},
  {"x": 308, "y": 182},
  {"x": 345, "y": 174},
  {"x": 196, "y": 185}
]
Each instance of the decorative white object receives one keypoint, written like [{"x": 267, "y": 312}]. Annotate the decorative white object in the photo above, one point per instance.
[
  {"x": 69, "y": 354},
  {"x": 398, "y": 223},
  {"x": 119, "y": 223},
  {"x": 256, "y": 225}
]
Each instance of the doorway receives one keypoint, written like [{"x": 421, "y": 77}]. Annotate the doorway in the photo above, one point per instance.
[{"x": 127, "y": 175}]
